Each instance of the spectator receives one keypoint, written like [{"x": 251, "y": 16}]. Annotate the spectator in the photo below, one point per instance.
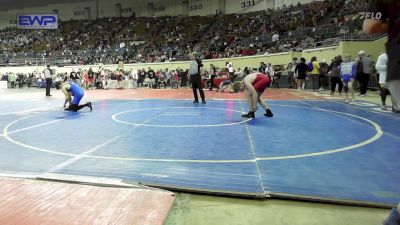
[
  {"x": 334, "y": 73},
  {"x": 231, "y": 71},
  {"x": 151, "y": 78},
  {"x": 73, "y": 76},
  {"x": 104, "y": 78},
  {"x": 269, "y": 71},
  {"x": 314, "y": 73},
  {"x": 275, "y": 37},
  {"x": 276, "y": 76},
  {"x": 291, "y": 73},
  {"x": 21, "y": 80},
  {"x": 85, "y": 79},
  {"x": 323, "y": 79},
  {"x": 246, "y": 71},
  {"x": 239, "y": 74},
  {"x": 364, "y": 67},
  {"x": 213, "y": 74},
  {"x": 301, "y": 71},
  {"x": 30, "y": 80},
  {"x": 162, "y": 79},
  {"x": 134, "y": 75},
  {"x": 142, "y": 77},
  {"x": 119, "y": 76},
  {"x": 381, "y": 67},
  {"x": 348, "y": 75},
  {"x": 12, "y": 78},
  {"x": 262, "y": 67}
]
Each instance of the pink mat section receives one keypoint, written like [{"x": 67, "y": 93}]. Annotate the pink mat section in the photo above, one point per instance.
[
  {"x": 31, "y": 202},
  {"x": 184, "y": 93},
  {"x": 146, "y": 93}
]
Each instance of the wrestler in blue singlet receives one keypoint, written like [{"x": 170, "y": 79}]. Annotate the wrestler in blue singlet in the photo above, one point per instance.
[
  {"x": 77, "y": 92},
  {"x": 73, "y": 90}
]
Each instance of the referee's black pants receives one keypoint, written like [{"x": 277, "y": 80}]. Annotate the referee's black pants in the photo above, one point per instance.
[
  {"x": 196, "y": 84},
  {"x": 49, "y": 82},
  {"x": 363, "y": 79}
]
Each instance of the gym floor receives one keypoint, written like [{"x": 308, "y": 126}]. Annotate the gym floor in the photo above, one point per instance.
[{"x": 316, "y": 147}]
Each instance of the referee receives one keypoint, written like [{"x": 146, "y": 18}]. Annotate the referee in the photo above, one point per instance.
[
  {"x": 49, "y": 81},
  {"x": 195, "y": 78}
]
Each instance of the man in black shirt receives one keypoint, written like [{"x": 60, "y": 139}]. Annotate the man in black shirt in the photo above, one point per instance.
[
  {"x": 142, "y": 76},
  {"x": 152, "y": 78},
  {"x": 384, "y": 17},
  {"x": 73, "y": 76}
]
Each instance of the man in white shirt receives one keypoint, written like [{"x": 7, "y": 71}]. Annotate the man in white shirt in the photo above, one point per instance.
[
  {"x": 381, "y": 68},
  {"x": 231, "y": 71},
  {"x": 275, "y": 37},
  {"x": 134, "y": 75}
]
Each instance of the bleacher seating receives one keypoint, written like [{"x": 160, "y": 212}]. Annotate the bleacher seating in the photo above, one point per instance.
[{"x": 172, "y": 38}]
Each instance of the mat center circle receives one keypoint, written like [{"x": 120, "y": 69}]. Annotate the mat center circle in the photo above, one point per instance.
[{"x": 180, "y": 117}]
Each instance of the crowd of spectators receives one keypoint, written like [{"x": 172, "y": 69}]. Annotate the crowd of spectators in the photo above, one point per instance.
[
  {"x": 171, "y": 38},
  {"x": 105, "y": 78}
]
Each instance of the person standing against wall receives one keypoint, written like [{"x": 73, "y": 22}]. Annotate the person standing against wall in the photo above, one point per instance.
[
  {"x": 12, "y": 79},
  {"x": 291, "y": 68},
  {"x": 21, "y": 80},
  {"x": 334, "y": 73},
  {"x": 313, "y": 68},
  {"x": 364, "y": 67},
  {"x": 231, "y": 71},
  {"x": 73, "y": 76},
  {"x": 135, "y": 78},
  {"x": 195, "y": 78},
  {"x": 323, "y": 79},
  {"x": 301, "y": 71},
  {"x": 213, "y": 74}
]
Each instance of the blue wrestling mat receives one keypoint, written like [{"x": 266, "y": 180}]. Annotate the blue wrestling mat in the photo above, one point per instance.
[{"x": 319, "y": 150}]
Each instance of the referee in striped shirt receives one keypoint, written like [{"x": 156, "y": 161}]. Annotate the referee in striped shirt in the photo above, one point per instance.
[
  {"x": 49, "y": 81},
  {"x": 195, "y": 78}
]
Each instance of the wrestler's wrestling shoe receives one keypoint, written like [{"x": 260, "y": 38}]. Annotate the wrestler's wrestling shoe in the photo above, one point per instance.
[
  {"x": 268, "y": 113},
  {"x": 90, "y": 106},
  {"x": 249, "y": 115}
]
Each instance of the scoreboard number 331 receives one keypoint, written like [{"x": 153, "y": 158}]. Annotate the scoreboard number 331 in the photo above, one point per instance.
[{"x": 247, "y": 4}]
